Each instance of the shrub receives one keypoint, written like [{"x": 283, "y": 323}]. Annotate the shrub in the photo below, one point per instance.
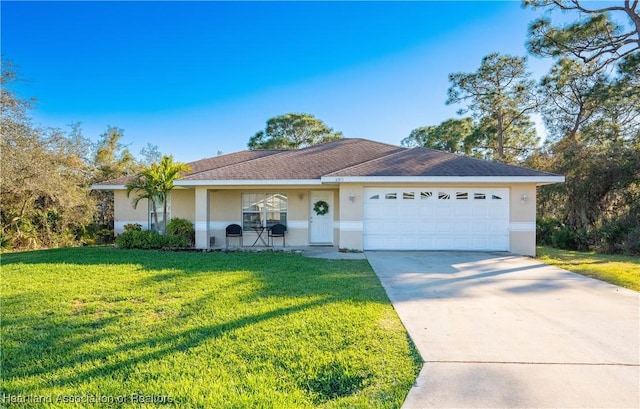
[
  {"x": 148, "y": 239},
  {"x": 545, "y": 228},
  {"x": 183, "y": 228},
  {"x": 631, "y": 243},
  {"x": 133, "y": 227},
  {"x": 568, "y": 238},
  {"x": 611, "y": 235},
  {"x": 104, "y": 236}
]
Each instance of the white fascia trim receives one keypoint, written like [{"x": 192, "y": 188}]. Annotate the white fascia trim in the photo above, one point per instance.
[
  {"x": 108, "y": 187},
  {"x": 444, "y": 179},
  {"x": 262, "y": 182}
]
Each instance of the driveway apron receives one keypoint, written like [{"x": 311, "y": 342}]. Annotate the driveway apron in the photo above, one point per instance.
[{"x": 496, "y": 330}]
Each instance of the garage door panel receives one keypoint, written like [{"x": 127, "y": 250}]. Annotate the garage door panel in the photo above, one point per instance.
[{"x": 436, "y": 218}]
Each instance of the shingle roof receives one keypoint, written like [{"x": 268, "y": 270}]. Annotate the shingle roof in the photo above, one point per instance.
[
  {"x": 343, "y": 158},
  {"x": 431, "y": 162},
  {"x": 308, "y": 163},
  {"x": 208, "y": 163}
]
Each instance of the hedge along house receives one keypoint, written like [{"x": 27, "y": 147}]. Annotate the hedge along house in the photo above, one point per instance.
[{"x": 366, "y": 195}]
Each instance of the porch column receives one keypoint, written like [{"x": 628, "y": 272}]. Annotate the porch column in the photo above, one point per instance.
[{"x": 201, "y": 222}]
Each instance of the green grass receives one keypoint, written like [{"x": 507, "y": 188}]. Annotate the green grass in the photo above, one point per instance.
[
  {"x": 615, "y": 269},
  {"x": 224, "y": 330}
]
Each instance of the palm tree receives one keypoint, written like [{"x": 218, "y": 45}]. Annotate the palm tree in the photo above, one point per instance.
[
  {"x": 165, "y": 173},
  {"x": 146, "y": 189},
  {"x": 154, "y": 184}
]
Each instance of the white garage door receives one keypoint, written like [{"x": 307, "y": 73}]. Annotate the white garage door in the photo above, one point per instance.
[{"x": 436, "y": 219}]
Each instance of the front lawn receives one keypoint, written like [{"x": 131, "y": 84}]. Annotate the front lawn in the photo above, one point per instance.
[
  {"x": 615, "y": 269},
  {"x": 199, "y": 330}
]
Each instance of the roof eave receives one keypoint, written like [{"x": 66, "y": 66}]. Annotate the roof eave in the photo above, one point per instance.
[
  {"x": 247, "y": 182},
  {"x": 108, "y": 187},
  {"x": 539, "y": 180}
]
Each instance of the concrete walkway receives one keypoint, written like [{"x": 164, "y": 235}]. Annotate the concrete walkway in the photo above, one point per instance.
[{"x": 502, "y": 331}]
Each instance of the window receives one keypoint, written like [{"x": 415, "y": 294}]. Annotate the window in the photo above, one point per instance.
[
  {"x": 479, "y": 196},
  {"x": 375, "y": 197},
  {"x": 263, "y": 210},
  {"x": 425, "y": 195},
  {"x": 462, "y": 195},
  {"x": 494, "y": 197},
  {"x": 408, "y": 195},
  {"x": 443, "y": 196},
  {"x": 391, "y": 196},
  {"x": 160, "y": 209}
]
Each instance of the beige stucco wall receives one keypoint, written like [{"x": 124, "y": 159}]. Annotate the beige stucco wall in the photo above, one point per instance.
[
  {"x": 225, "y": 207},
  {"x": 522, "y": 218},
  {"x": 124, "y": 213},
  {"x": 183, "y": 204}
]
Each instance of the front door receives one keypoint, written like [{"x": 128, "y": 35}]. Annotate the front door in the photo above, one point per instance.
[{"x": 321, "y": 225}]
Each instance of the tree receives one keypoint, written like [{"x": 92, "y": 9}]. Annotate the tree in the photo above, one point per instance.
[
  {"x": 111, "y": 160},
  {"x": 154, "y": 184},
  {"x": 44, "y": 177},
  {"x": 598, "y": 37},
  {"x": 500, "y": 96},
  {"x": 452, "y": 135},
  {"x": 571, "y": 95},
  {"x": 165, "y": 174},
  {"x": 292, "y": 131},
  {"x": 594, "y": 120},
  {"x": 145, "y": 188}
]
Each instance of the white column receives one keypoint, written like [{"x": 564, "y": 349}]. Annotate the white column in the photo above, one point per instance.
[{"x": 201, "y": 222}]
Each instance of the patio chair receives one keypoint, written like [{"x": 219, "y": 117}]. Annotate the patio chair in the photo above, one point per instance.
[
  {"x": 278, "y": 230},
  {"x": 233, "y": 230}
]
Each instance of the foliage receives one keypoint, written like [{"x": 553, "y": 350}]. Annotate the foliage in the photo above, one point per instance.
[
  {"x": 44, "y": 178},
  {"x": 591, "y": 108},
  {"x": 452, "y": 135},
  {"x": 208, "y": 330},
  {"x": 293, "y": 131},
  {"x": 500, "y": 95},
  {"x": 149, "y": 239},
  {"x": 132, "y": 227},
  {"x": 111, "y": 160},
  {"x": 183, "y": 228},
  {"x": 619, "y": 270},
  {"x": 599, "y": 36},
  {"x": 154, "y": 183}
]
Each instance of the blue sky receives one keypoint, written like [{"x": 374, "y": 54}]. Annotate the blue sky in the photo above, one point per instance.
[{"x": 196, "y": 78}]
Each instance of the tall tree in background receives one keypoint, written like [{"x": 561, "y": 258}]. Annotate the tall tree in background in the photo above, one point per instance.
[
  {"x": 44, "y": 177},
  {"x": 571, "y": 96},
  {"x": 500, "y": 95},
  {"x": 453, "y": 135},
  {"x": 293, "y": 131},
  {"x": 111, "y": 160},
  {"x": 591, "y": 107},
  {"x": 598, "y": 37}
]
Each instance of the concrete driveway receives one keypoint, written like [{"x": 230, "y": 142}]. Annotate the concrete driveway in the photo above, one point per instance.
[{"x": 502, "y": 331}]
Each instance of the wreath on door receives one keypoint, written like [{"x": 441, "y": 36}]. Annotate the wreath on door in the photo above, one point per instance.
[{"x": 321, "y": 207}]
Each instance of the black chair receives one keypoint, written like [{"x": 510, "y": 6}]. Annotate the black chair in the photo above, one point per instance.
[
  {"x": 278, "y": 230},
  {"x": 233, "y": 230}
]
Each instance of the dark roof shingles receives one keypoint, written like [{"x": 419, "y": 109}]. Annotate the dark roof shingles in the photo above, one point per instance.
[
  {"x": 308, "y": 163},
  {"x": 430, "y": 162}
]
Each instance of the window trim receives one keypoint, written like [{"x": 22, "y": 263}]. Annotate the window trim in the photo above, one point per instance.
[{"x": 264, "y": 211}]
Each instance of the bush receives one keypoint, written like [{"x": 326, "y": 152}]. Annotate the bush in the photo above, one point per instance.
[
  {"x": 568, "y": 238},
  {"x": 104, "y": 236},
  {"x": 183, "y": 228},
  {"x": 545, "y": 228},
  {"x": 149, "y": 239},
  {"x": 631, "y": 243},
  {"x": 133, "y": 227}
]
